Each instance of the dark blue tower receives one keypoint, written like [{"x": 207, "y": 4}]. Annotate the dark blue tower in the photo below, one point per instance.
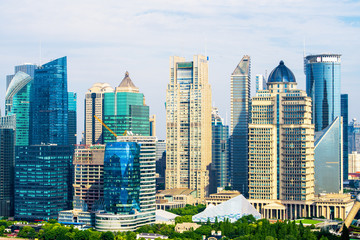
[{"x": 49, "y": 104}]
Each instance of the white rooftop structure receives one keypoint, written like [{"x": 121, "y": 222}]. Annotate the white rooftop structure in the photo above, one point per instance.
[
  {"x": 232, "y": 209},
  {"x": 162, "y": 216}
]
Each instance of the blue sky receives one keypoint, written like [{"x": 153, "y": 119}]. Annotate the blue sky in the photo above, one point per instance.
[{"x": 103, "y": 39}]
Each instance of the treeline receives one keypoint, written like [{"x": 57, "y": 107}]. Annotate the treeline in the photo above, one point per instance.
[{"x": 246, "y": 228}]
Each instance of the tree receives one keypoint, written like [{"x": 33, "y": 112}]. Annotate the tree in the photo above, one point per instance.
[
  {"x": 345, "y": 233},
  {"x": 107, "y": 236},
  {"x": 27, "y": 232}
]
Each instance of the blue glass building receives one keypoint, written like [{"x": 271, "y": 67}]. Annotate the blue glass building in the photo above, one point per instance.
[
  {"x": 345, "y": 116},
  {"x": 49, "y": 104},
  {"x": 7, "y": 151},
  {"x": 27, "y": 68},
  {"x": 42, "y": 186},
  {"x": 240, "y": 105},
  {"x": 323, "y": 86},
  {"x": 125, "y": 110},
  {"x": 122, "y": 177},
  {"x": 328, "y": 158},
  {"x": 220, "y": 142},
  {"x": 17, "y": 102},
  {"x": 72, "y": 118}
]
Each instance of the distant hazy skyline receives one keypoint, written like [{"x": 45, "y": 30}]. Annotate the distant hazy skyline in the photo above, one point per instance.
[{"x": 103, "y": 39}]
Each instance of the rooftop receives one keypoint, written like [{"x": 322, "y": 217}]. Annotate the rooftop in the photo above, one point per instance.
[
  {"x": 127, "y": 85},
  {"x": 281, "y": 74}
]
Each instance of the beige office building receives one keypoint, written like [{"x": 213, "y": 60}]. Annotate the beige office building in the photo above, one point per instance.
[
  {"x": 188, "y": 125},
  {"x": 94, "y": 99},
  {"x": 88, "y": 166},
  {"x": 354, "y": 162},
  {"x": 281, "y": 154}
]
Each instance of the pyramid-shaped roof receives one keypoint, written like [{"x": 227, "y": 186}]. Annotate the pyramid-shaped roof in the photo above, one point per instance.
[
  {"x": 232, "y": 209},
  {"x": 127, "y": 85}
]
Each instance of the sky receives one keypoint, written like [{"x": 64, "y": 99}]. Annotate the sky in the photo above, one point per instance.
[{"x": 104, "y": 39}]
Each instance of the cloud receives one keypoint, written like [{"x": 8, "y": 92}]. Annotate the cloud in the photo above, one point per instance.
[{"x": 104, "y": 39}]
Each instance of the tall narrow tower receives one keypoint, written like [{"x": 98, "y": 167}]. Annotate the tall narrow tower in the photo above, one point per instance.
[
  {"x": 188, "y": 125},
  {"x": 240, "y": 100}
]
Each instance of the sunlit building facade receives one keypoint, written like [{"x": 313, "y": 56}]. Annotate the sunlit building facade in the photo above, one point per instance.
[
  {"x": 188, "y": 125},
  {"x": 88, "y": 170},
  {"x": 94, "y": 102},
  {"x": 72, "y": 100},
  {"x": 281, "y": 141}
]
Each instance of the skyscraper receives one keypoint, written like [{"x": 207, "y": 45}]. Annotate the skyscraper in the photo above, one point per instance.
[
  {"x": 281, "y": 141},
  {"x": 7, "y": 157},
  {"x": 240, "y": 98},
  {"x": 42, "y": 181},
  {"x": 129, "y": 184},
  {"x": 72, "y": 118},
  {"x": 49, "y": 104},
  {"x": 94, "y": 102},
  {"x": 220, "y": 148},
  {"x": 323, "y": 86},
  {"x": 125, "y": 110},
  {"x": 17, "y": 102},
  {"x": 345, "y": 116},
  {"x": 88, "y": 165},
  {"x": 188, "y": 125}
]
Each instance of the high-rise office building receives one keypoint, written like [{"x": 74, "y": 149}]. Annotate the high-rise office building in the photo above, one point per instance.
[
  {"x": 354, "y": 136},
  {"x": 260, "y": 82},
  {"x": 240, "y": 100},
  {"x": 129, "y": 184},
  {"x": 345, "y": 118},
  {"x": 323, "y": 86},
  {"x": 17, "y": 102},
  {"x": 49, "y": 104},
  {"x": 72, "y": 99},
  {"x": 27, "y": 68},
  {"x": 125, "y": 110},
  {"x": 42, "y": 174},
  {"x": 188, "y": 125},
  {"x": 220, "y": 148},
  {"x": 7, "y": 157},
  {"x": 328, "y": 158},
  {"x": 94, "y": 102},
  {"x": 88, "y": 165},
  {"x": 281, "y": 141},
  {"x": 43, "y": 183},
  {"x": 160, "y": 164}
]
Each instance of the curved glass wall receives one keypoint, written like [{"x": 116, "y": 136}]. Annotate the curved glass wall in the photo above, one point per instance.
[
  {"x": 122, "y": 177},
  {"x": 323, "y": 86}
]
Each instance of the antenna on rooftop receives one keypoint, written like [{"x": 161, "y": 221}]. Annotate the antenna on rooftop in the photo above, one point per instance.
[{"x": 40, "y": 54}]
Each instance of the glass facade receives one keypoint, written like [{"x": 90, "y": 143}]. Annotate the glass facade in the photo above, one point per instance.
[
  {"x": 220, "y": 140},
  {"x": 125, "y": 111},
  {"x": 323, "y": 86},
  {"x": 328, "y": 159},
  {"x": 122, "y": 177},
  {"x": 49, "y": 104},
  {"x": 17, "y": 102},
  {"x": 72, "y": 99},
  {"x": 42, "y": 181},
  {"x": 345, "y": 116},
  {"x": 27, "y": 68},
  {"x": 240, "y": 98},
  {"x": 354, "y": 136},
  {"x": 7, "y": 147}
]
